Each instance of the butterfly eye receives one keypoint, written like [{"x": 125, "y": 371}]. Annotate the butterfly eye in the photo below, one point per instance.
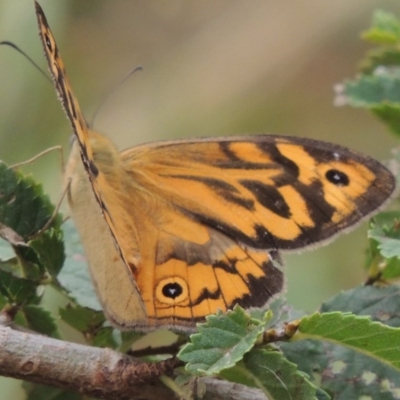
[{"x": 337, "y": 177}]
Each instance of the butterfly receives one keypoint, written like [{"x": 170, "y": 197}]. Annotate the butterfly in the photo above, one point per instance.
[{"x": 175, "y": 230}]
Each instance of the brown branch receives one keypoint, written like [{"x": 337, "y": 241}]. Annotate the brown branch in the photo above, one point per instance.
[
  {"x": 92, "y": 371},
  {"x": 96, "y": 372}
]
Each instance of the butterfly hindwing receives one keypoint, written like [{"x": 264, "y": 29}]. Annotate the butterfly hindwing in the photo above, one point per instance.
[{"x": 188, "y": 281}]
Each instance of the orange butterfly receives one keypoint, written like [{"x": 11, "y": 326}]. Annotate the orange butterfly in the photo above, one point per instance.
[{"x": 175, "y": 230}]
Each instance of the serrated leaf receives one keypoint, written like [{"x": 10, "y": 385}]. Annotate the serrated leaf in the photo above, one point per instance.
[
  {"x": 221, "y": 342},
  {"x": 379, "y": 93},
  {"x": 356, "y": 376},
  {"x": 83, "y": 319},
  {"x": 385, "y": 229},
  {"x": 310, "y": 356},
  {"x": 373, "y": 90},
  {"x": 17, "y": 290},
  {"x": 277, "y": 377},
  {"x": 28, "y": 263},
  {"x": 342, "y": 370},
  {"x": 40, "y": 320},
  {"x": 89, "y": 322},
  {"x": 24, "y": 211},
  {"x": 74, "y": 276},
  {"x": 358, "y": 333},
  {"x": 49, "y": 247},
  {"x": 383, "y": 256},
  {"x": 380, "y": 303},
  {"x": 23, "y": 206}
]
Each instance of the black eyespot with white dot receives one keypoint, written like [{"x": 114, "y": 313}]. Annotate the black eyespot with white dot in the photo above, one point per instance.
[
  {"x": 337, "y": 178},
  {"x": 172, "y": 290}
]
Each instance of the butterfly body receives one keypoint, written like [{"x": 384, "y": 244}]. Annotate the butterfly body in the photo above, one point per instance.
[{"x": 174, "y": 231}]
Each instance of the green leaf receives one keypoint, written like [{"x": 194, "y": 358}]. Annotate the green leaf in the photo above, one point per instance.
[
  {"x": 90, "y": 323},
  {"x": 23, "y": 206},
  {"x": 381, "y": 303},
  {"x": 40, "y": 320},
  {"x": 310, "y": 356},
  {"x": 342, "y": 372},
  {"x": 385, "y": 28},
  {"x": 24, "y": 211},
  {"x": 383, "y": 255},
  {"x": 221, "y": 342},
  {"x": 104, "y": 337},
  {"x": 379, "y": 93},
  {"x": 17, "y": 290},
  {"x": 355, "y": 377},
  {"x": 385, "y": 229},
  {"x": 83, "y": 319},
  {"x": 74, "y": 276},
  {"x": 277, "y": 377},
  {"x": 380, "y": 57},
  {"x": 358, "y": 333},
  {"x": 49, "y": 247},
  {"x": 28, "y": 263},
  {"x": 372, "y": 90},
  {"x": 391, "y": 269}
]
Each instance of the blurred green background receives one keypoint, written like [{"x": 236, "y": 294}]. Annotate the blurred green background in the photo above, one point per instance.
[{"x": 211, "y": 68}]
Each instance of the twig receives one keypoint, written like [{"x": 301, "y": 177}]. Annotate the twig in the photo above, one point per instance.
[{"x": 100, "y": 373}]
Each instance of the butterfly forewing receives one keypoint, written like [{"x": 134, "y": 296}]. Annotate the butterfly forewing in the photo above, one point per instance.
[
  {"x": 62, "y": 85},
  {"x": 268, "y": 192}
]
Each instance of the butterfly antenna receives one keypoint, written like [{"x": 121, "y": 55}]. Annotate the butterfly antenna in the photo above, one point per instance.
[
  {"x": 111, "y": 92},
  {"x": 15, "y": 47}
]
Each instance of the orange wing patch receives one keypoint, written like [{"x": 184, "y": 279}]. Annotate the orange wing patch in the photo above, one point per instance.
[{"x": 192, "y": 281}]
